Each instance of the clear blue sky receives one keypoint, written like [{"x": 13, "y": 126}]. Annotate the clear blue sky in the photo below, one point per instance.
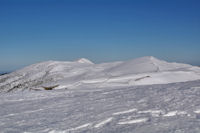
[{"x": 100, "y": 30}]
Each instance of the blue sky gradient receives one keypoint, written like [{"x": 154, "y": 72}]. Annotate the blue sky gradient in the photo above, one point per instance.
[{"x": 100, "y": 30}]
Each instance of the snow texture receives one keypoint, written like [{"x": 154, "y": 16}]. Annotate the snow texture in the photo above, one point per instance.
[
  {"x": 144, "y": 95},
  {"x": 166, "y": 108}
]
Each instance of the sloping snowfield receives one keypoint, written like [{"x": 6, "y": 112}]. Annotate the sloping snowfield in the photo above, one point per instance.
[
  {"x": 144, "y": 95},
  {"x": 83, "y": 74},
  {"x": 170, "y": 108}
]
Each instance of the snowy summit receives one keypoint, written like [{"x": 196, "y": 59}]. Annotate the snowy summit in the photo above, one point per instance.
[
  {"x": 69, "y": 75},
  {"x": 83, "y": 60}
]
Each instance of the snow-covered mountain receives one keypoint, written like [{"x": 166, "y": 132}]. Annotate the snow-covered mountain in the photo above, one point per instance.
[
  {"x": 84, "y": 73},
  {"x": 137, "y": 96}
]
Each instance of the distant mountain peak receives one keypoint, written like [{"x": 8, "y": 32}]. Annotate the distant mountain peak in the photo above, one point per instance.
[
  {"x": 151, "y": 58},
  {"x": 84, "y": 60}
]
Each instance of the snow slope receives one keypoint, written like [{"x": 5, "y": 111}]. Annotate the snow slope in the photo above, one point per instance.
[
  {"x": 137, "y": 96},
  {"x": 84, "y": 73},
  {"x": 167, "y": 108}
]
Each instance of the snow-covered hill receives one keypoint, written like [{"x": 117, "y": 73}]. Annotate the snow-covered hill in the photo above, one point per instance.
[
  {"x": 84, "y": 73},
  {"x": 137, "y": 96}
]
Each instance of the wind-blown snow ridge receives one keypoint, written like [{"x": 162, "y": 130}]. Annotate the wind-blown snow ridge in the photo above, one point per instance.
[{"x": 83, "y": 73}]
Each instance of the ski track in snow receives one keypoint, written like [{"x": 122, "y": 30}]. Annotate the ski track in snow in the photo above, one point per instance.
[
  {"x": 30, "y": 111},
  {"x": 174, "y": 113},
  {"x": 154, "y": 113},
  {"x": 125, "y": 112},
  {"x": 141, "y": 120},
  {"x": 103, "y": 122},
  {"x": 80, "y": 127}
]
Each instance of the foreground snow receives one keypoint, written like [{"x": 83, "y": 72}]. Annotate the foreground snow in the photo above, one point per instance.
[{"x": 166, "y": 108}]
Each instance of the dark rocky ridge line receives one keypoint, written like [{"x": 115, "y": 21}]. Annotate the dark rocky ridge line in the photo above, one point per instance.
[{"x": 4, "y": 73}]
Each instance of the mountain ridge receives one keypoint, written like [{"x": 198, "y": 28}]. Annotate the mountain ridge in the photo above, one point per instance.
[{"x": 82, "y": 72}]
